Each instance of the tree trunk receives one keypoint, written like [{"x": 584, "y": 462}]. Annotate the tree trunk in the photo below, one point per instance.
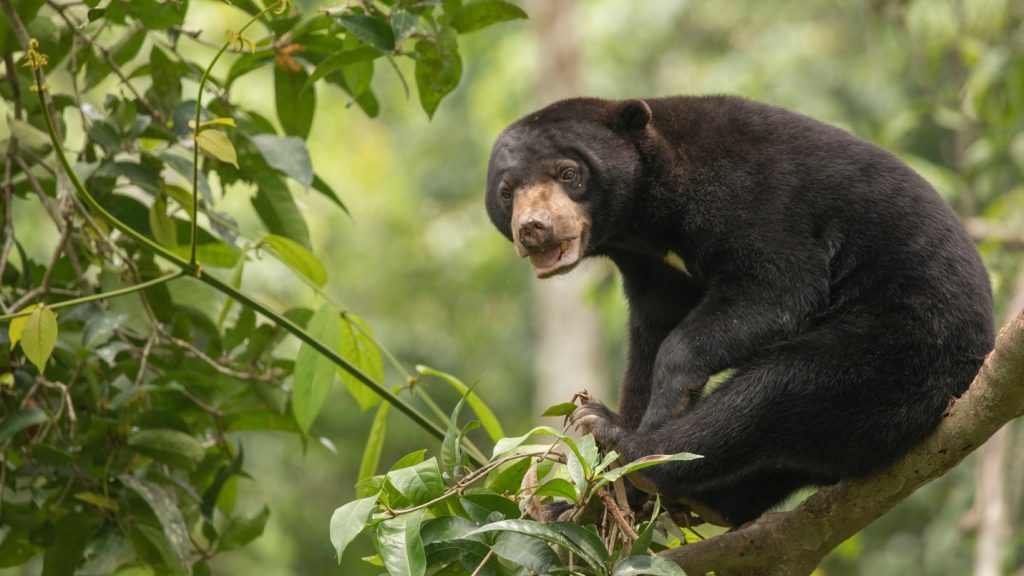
[{"x": 568, "y": 352}]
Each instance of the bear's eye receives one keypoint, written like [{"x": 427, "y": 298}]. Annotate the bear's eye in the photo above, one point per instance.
[
  {"x": 568, "y": 174},
  {"x": 505, "y": 192}
]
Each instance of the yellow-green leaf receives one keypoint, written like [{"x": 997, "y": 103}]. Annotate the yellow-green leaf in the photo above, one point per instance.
[
  {"x": 314, "y": 373},
  {"x": 296, "y": 257},
  {"x": 215, "y": 122},
  {"x": 39, "y": 336},
  {"x": 180, "y": 195},
  {"x": 162, "y": 225},
  {"x": 98, "y": 500},
  {"x": 357, "y": 347},
  {"x": 17, "y": 327},
  {"x": 218, "y": 145}
]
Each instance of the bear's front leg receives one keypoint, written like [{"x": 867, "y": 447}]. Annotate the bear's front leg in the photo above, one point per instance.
[{"x": 678, "y": 382}]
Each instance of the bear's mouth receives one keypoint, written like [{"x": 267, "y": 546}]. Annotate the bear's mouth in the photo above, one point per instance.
[{"x": 558, "y": 259}]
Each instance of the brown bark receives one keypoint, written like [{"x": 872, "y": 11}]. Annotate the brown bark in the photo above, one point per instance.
[{"x": 793, "y": 543}]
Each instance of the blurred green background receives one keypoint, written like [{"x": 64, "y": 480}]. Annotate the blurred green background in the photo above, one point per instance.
[{"x": 939, "y": 82}]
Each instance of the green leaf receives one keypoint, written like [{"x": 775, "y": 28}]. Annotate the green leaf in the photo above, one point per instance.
[
  {"x": 348, "y": 521},
  {"x": 531, "y": 553},
  {"x": 647, "y": 565},
  {"x": 508, "y": 444},
  {"x": 438, "y": 69},
  {"x": 548, "y": 532},
  {"x": 165, "y": 92},
  {"x": 641, "y": 463},
  {"x": 314, "y": 373},
  {"x": 247, "y": 63},
  {"x": 586, "y": 539},
  {"x": 357, "y": 347},
  {"x": 341, "y": 60},
  {"x": 372, "y": 31},
  {"x": 276, "y": 207},
  {"x": 168, "y": 512},
  {"x": 296, "y": 257},
  {"x": 563, "y": 409},
  {"x": 451, "y": 451},
  {"x": 19, "y": 420},
  {"x": 98, "y": 500},
  {"x": 401, "y": 548},
  {"x": 588, "y": 450},
  {"x": 558, "y": 488},
  {"x": 320, "y": 186},
  {"x": 211, "y": 253},
  {"x": 169, "y": 446},
  {"x": 39, "y": 336},
  {"x": 155, "y": 14},
  {"x": 374, "y": 447},
  {"x": 71, "y": 535},
  {"x": 411, "y": 459},
  {"x": 157, "y": 539},
  {"x": 31, "y": 138},
  {"x": 487, "y": 418},
  {"x": 295, "y": 106},
  {"x": 16, "y": 548},
  {"x": 243, "y": 529},
  {"x": 508, "y": 478},
  {"x": 288, "y": 154},
  {"x": 403, "y": 24},
  {"x": 482, "y": 13},
  {"x": 358, "y": 77},
  {"x": 164, "y": 230},
  {"x": 217, "y": 144},
  {"x": 418, "y": 484}
]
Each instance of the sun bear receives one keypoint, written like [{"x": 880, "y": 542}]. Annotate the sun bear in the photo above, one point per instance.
[{"x": 832, "y": 282}]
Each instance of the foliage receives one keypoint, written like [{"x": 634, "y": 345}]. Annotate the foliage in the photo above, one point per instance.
[
  {"x": 135, "y": 355},
  {"x": 441, "y": 515}
]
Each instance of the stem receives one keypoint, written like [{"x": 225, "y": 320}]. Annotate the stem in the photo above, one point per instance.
[
  {"x": 198, "y": 119},
  {"x": 102, "y": 296}
]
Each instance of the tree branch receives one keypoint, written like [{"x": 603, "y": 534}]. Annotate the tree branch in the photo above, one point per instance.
[{"x": 794, "y": 542}]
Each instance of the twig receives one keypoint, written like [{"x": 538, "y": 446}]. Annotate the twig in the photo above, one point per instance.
[
  {"x": 482, "y": 563},
  {"x": 623, "y": 524},
  {"x": 12, "y": 150},
  {"x": 220, "y": 368},
  {"x": 464, "y": 483},
  {"x": 44, "y": 288},
  {"x": 144, "y": 359},
  {"x": 59, "y": 8}
]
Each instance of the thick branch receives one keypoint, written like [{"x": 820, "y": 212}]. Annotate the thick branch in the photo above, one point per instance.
[{"x": 794, "y": 542}]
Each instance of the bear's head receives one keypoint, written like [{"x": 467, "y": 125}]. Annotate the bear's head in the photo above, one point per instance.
[{"x": 563, "y": 181}]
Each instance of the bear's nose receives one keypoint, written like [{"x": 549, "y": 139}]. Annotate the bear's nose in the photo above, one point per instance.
[{"x": 534, "y": 232}]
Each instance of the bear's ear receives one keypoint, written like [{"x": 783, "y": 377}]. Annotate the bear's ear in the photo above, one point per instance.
[{"x": 630, "y": 115}]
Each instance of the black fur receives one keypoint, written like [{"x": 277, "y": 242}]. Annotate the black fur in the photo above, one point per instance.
[{"x": 829, "y": 274}]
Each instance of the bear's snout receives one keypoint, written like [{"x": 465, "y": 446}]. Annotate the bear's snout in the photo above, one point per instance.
[{"x": 535, "y": 231}]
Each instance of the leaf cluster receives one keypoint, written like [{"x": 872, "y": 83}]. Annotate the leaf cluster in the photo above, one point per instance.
[
  {"x": 444, "y": 516},
  {"x": 134, "y": 354}
]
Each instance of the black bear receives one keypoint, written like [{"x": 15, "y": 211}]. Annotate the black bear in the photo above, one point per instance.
[{"x": 832, "y": 281}]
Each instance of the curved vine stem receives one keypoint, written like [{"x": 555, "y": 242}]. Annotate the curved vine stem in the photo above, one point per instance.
[
  {"x": 198, "y": 119},
  {"x": 193, "y": 269}
]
